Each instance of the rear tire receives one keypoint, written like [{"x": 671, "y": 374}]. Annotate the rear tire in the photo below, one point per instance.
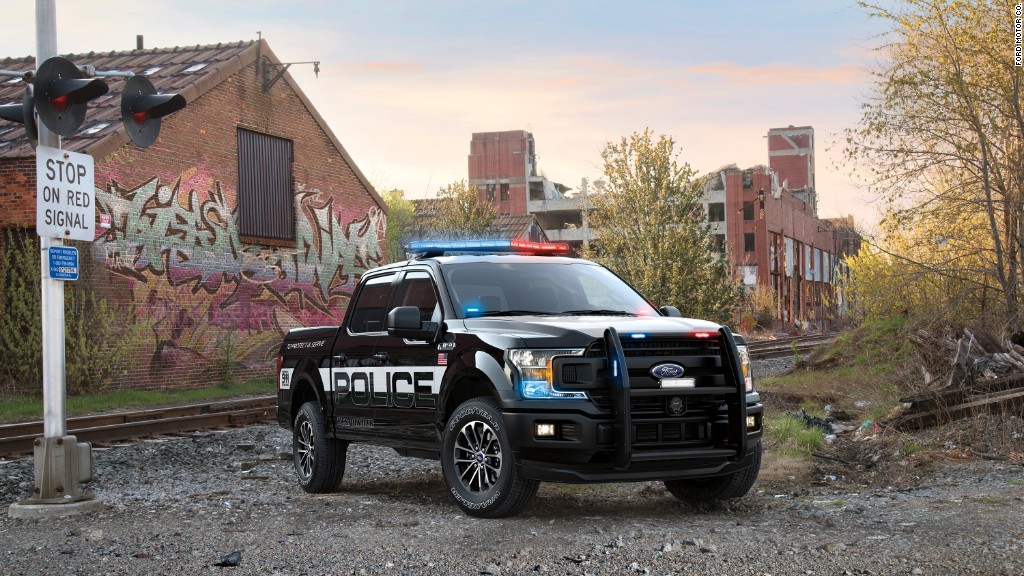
[
  {"x": 704, "y": 490},
  {"x": 319, "y": 460},
  {"x": 478, "y": 465}
]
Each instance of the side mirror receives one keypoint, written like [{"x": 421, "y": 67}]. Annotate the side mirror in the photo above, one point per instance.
[
  {"x": 404, "y": 322},
  {"x": 670, "y": 311}
]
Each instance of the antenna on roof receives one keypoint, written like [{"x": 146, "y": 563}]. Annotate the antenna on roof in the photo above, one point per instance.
[{"x": 279, "y": 68}]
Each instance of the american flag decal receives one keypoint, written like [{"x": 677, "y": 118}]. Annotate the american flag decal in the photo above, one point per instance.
[{"x": 442, "y": 358}]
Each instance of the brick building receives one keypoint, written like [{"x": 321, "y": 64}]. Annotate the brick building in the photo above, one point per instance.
[
  {"x": 766, "y": 218},
  {"x": 246, "y": 218},
  {"x": 503, "y": 167},
  {"x": 791, "y": 156}
]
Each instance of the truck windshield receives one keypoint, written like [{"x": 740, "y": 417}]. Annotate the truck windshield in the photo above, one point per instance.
[{"x": 531, "y": 288}]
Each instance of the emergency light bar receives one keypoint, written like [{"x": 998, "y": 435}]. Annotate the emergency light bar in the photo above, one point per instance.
[{"x": 497, "y": 246}]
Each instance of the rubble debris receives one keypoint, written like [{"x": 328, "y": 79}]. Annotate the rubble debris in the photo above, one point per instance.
[
  {"x": 972, "y": 374},
  {"x": 231, "y": 560},
  {"x": 824, "y": 424}
]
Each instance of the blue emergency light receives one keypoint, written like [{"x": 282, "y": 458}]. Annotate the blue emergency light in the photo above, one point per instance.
[{"x": 495, "y": 246}]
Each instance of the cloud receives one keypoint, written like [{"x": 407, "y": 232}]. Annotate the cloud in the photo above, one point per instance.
[
  {"x": 781, "y": 74},
  {"x": 387, "y": 67}
]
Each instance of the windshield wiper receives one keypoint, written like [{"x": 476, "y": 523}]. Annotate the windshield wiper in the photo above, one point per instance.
[
  {"x": 513, "y": 313},
  {"x": 597, "y": 313}
]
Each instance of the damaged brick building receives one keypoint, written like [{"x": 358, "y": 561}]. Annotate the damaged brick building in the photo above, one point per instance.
[{"x": 764, "y": 217}]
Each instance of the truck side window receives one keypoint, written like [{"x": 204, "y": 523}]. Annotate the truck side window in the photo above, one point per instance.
[
  {"x": 418, "y": 290},
  {"x": 371, "y": 305}
]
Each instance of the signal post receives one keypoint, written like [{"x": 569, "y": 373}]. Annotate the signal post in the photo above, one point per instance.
[{"x": 65, "y": 210}]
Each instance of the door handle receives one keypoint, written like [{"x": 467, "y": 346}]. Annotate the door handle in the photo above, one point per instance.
[
  {"x": 381, "y": 357},
  {"x": 340, "y": 359}
]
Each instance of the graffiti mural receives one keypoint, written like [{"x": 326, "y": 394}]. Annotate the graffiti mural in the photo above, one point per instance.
[{"x": 205, "y": 292}]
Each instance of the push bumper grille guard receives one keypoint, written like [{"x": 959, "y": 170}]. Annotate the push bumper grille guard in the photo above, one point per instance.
[
  {"x": 621, "y": 405},
  {"x": 619, "y": 376}
]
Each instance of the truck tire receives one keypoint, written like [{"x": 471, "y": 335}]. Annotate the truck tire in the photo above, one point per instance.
[
  {"x": 704, "y": 490},
  {"x": 319, "y": 460},
  {"x": 478, "y": 465}
]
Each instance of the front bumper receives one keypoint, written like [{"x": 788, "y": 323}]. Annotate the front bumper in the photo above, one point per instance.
[
  {"x": 661, "y": 448},
  {"x": 638, "y": 433}
]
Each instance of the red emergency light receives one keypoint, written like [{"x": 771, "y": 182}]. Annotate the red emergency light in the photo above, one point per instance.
[{"x": 497, "y": 246}]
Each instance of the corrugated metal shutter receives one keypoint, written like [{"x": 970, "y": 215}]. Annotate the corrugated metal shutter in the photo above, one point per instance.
[{"x": 266, "y": 203}]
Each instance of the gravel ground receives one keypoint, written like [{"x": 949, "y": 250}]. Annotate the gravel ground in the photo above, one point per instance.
[{"x": 183, "y": 505}]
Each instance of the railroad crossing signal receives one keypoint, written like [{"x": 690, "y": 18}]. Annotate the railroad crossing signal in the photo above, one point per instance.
[
  {"x": 60, "y": 95},
  {"x": 142, "y": 108},
  {"x": 23, "y": 113}
]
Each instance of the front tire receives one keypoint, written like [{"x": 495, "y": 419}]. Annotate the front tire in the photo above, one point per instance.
[
  {"x": 699, "y": 491},
  {"x": 319, "y": 460},
  {"x": 478, "y": 465}
]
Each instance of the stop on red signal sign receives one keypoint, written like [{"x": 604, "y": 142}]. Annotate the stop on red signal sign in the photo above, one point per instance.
[{"x": 65, "y": 206}]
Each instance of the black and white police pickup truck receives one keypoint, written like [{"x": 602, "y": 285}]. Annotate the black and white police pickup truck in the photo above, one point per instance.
[{"x": 513, "y": 365}]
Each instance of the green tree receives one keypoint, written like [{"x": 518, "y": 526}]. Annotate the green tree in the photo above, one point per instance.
[
  {"x": 927, "y": 270},
  {"x": 460, "y": 213},
  {"x": 941, "y": 140},
  {"x": 400, "y": 223},
  {"x": 21, "y": 336},
  {"x": 95, "y": 343},
  {"x": 652, "y": 230}
]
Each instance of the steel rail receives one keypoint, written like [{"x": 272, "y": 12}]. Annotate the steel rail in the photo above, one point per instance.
[
  {"x": 783, "y": 347},
  {"x": 104, "y": 428}
]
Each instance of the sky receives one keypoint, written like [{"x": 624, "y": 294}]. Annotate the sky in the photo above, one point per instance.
[{"x": 404, "y": 84}]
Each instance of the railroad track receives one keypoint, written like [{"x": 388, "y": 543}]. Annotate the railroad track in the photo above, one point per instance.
[
  {"x": 789, "y": 346},
  {"x": 106, "y": 428}
]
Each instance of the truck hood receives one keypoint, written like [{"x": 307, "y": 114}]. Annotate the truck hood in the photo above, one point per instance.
[{"x": 581, "y": 331}]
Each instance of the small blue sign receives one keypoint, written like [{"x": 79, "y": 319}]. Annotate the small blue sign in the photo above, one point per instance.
[{"x": 63, "y": 263}]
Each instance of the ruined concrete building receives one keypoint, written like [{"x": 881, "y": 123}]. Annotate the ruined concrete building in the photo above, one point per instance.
[{"x": 765, "y": 217}]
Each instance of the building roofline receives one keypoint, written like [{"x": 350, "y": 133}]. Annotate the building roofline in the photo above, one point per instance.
[
  {"x": 209, "y": 80},
  {"x": 266, "y": 51}
]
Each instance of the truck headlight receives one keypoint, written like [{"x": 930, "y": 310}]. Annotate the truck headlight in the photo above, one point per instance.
[
  {"x": 748, "y": 370},
  {"x": 534, "y": 367}
]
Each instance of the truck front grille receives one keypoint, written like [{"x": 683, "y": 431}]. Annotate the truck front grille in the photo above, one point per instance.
[{"x": 666, "y": 418}]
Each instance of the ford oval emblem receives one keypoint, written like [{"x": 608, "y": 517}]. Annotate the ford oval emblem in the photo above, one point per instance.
[{"x": 667, "y": 370}]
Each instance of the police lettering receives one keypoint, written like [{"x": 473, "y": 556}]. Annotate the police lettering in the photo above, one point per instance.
[{"x": 397, "y": 389}]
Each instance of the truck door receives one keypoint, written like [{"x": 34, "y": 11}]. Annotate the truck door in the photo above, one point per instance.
[
  {"x": 405, "y": 415},
  {"x": 355, "y": 373}
]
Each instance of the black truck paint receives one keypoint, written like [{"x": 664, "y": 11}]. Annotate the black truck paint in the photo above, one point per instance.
[{"x": 424, "y": 364}]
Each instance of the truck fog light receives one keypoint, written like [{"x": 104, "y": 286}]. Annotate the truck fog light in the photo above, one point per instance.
[
  {"x": 751, "y": 422},
  {"x": 542, "y": 430}
]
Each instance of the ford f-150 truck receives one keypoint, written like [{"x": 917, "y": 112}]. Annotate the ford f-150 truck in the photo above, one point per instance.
[{"x": 513, "y": 364}]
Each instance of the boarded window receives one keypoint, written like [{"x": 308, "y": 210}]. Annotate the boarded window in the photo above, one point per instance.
[{"x": 266, "y": 202}]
